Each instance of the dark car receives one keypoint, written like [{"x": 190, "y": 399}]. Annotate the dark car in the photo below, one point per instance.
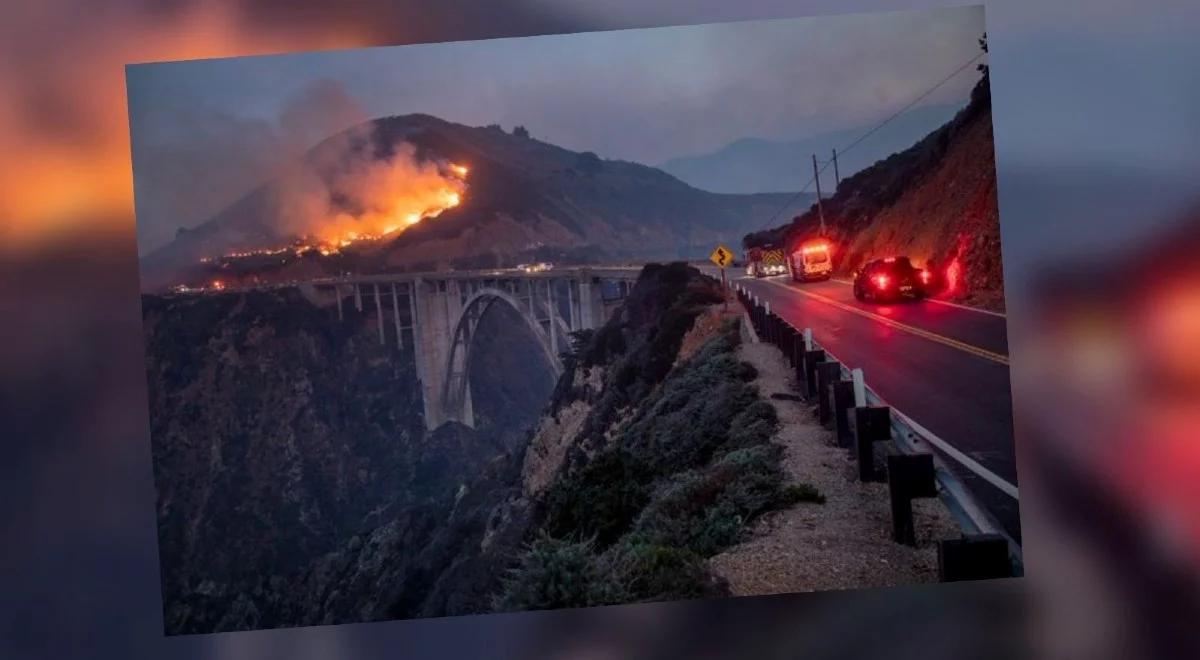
[{"x": 893, "y": 278}]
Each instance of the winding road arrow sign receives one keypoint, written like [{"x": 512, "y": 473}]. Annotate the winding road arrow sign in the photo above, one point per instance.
[{"x": 722, "y": 256}]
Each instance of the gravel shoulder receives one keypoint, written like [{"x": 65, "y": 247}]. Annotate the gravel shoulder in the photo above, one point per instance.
[{"x": 844, "y": 543}]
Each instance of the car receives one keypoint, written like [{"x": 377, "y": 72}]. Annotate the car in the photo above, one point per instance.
[{"x": 890, "y": 279}]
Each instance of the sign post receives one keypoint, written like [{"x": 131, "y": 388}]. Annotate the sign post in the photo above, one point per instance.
[{"x": 722, "y": 257}]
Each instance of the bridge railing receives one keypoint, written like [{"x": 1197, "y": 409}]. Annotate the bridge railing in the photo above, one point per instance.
[{"x": 916, "y": 459}]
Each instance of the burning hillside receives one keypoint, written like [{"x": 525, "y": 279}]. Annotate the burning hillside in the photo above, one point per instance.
[
  {"x": 324, "y": 209},
  {"x": 362, "y": 201}
]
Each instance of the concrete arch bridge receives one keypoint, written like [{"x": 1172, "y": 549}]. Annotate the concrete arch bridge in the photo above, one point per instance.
[{"x": 435, "y": 316}]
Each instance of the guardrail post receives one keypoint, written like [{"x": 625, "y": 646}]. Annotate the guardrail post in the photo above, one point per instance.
[
  {"x": 974, "y": 557},
  {"x": 871, "y": 424},
  {"x": 827, "y": 374},
  {"x": 789, "y": 344},
  {"x": 809, "y": 370},
  {"x": 797, "y": 352},
  {"x": 909, "y": 476},
  {"x": 843, "y": 403}
]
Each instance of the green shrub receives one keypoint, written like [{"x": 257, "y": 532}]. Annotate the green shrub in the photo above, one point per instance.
[
  {"x": 636, "y": 571},
  {"x": 551, "y": 573},
  {"x": 600, "y": 500},
  {"x": 706, "y": 510}
]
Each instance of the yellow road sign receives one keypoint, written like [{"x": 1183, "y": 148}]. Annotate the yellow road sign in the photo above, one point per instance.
[{"x": 722, "y": 256}]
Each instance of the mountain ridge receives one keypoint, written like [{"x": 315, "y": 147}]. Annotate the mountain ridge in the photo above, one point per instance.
[
  {"x": 751, "y": 165},
  {"x": 525, "y": 198}
]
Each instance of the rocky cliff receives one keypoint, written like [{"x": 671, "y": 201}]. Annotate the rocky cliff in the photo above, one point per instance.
[
  {"x": 935, "y": 202},
  {"x": 298, "y": 486},
  {"x": 655, "y": 453},
  {"x": 296, "y": 481}
]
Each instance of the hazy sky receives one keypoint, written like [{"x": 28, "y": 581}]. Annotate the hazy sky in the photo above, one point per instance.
[{"x": 205, "y": 132}]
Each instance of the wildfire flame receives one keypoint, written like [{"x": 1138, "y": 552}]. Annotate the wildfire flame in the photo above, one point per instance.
[
  {"x": 396, "y": 197},
  {"x": 400, "y": 201}
]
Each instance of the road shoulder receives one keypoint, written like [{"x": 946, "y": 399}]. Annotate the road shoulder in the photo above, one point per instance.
[{"x": 841, "y": 544}]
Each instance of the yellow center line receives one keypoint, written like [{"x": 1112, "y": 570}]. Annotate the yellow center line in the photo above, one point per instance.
[{"x": 924, "y": 334}]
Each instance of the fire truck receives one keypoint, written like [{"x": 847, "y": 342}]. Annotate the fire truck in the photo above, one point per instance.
[
  {"x": 812, "y": 260},
  {"x": 765, "y": 261}
]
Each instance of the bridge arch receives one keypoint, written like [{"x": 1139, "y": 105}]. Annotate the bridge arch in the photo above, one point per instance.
[{"x": 456, "y": 395}]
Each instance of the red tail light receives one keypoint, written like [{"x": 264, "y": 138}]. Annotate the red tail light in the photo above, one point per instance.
[
  {"x": 925, "y": 276},
  {"x": 882, "y": 281}
]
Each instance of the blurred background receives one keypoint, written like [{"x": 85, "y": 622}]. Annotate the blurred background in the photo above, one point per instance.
[{"x": 1097, "y": 128}]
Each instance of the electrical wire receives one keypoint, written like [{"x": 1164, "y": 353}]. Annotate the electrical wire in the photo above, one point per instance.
[{"x": 868, "y": 134}]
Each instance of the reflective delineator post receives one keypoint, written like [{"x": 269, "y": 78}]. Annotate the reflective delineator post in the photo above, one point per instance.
[{"x": 860, "y": 388}]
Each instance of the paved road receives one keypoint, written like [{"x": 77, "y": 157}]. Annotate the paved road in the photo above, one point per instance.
[{"x": 943, "y": 365}]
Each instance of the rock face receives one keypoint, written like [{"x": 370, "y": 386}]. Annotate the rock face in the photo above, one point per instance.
[
  {"x": 935, "y": 202},
  {"x": 296, "y": 482}
]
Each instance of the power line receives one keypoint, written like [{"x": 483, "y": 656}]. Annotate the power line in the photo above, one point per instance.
[
  {"x": 871, "y": 132},
  {"x": 915, "y": 101}
]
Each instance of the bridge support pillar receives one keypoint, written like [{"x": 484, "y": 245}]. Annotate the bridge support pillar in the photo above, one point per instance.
[
  {"x": 552, "y": 316},
  {"x": 591, "y": 302},
  {"x": 396, "y": 318},
  {"x": 379, "y": 315},
  {"x": 438, "y": 305}
]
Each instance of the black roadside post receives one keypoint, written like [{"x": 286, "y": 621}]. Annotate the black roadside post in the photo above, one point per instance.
[
  {"x": 843, "y": 403},
  {"x": 827, "y": 374},
  {"x": 871, "y": 424},
  {"x": 811, "y": 359},
  {"x": 909, "y": 476}
]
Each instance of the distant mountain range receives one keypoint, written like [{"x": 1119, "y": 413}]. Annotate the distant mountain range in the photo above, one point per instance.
[
  {"x": 755, "y": 165},
  {"x": 525, "y": 199}
]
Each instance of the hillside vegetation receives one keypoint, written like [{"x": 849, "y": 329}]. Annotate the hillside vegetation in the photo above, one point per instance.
[{"x": 671, "y": 460}]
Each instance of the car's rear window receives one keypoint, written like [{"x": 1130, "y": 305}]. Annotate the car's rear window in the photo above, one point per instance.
[{"x": 900, "y": 266}]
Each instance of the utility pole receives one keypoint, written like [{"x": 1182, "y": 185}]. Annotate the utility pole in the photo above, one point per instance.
[
  {"x": 837, "y": 176},
  {"x": 817, "y": 179}
]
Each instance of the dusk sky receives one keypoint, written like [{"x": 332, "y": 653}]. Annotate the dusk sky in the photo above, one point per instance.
[{"x": 206, "y": 132}]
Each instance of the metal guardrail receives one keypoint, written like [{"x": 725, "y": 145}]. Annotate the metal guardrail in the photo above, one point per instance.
[{"x": 908, "y": 437}]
